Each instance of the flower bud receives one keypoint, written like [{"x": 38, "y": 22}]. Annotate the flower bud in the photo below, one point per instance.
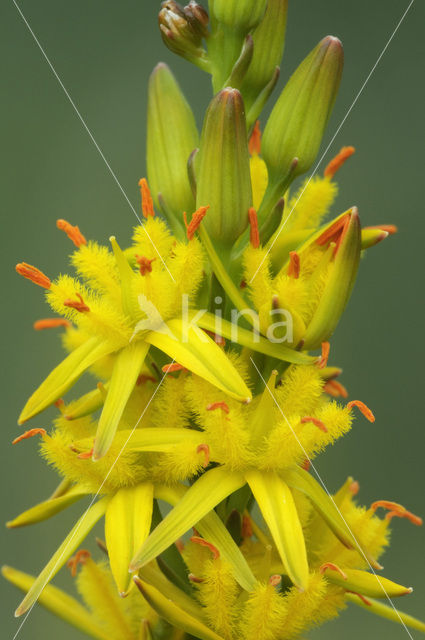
[
  {"x": 269, "y": 40},
  {"x": 241, "y": 15},
  {"x": 296, "y": 125},
  {"x": 223, "y": 177},
  {"x": 182, "y": 30},
  {"x": 171, "y": 138}
]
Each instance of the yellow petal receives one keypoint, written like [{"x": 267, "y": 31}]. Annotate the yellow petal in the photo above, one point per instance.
[
  {"x": 86, "y": 404},
  {"x": 59, "y": 603},
  {"x": 385, "y": 611},
  {"x": 366, "y": 583},
  {"x": 149, "y": 439},
  {"x": 47, "y": 508},
  {"x": 278, "y": 508},
  {"x": 124, "y": 376},
  {"x": 194, "y": 349},
  {"x": 210, "y": 489},
  {"x": 173, "y": 614},
  {"x": 64, "y": 376},
  {"x": 72, "y": 541},
  {"x": 127, "y": 524}
]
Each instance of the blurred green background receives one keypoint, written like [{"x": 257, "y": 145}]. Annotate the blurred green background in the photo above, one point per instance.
[{"x": 103, "y": 51}]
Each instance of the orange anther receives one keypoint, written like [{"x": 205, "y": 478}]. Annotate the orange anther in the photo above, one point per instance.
[
  {"x": 205, "y": 543},
  {"x": 72, "y": 232},
  {"x": 204, "y": 448},
  {"x": 180, "y": 545},
  {"x": 254, "y": 235},
  {"x": 336, "y": 163},
  {"x": 60, "y": 404},
  {"x": 317, "y": 423},
  {"x": 80, "y": 558},
  {"x": 333, "y": 567},
  {"x": 78, "y": 305},
  {"x": 147, "y": 202},
  {"x": 354, "y": 487},
  {"x": 362, "y": 597},
  {"x": 173, "y": 366},
  {"x": 363, "y": 408},
  {"x": 217, "y": 339},
  {"x": 193, "y": 225},
  {"x": 195, "y": 579},
  {"x": 306, "y": 465},
  {"x": 389, "y": 228},
  {"x": 396, "y": 511},
  {"x": 335, "y": 233},
  {"x": 335, "y": 389},
  {"x": 323, "y": 361},
  {"x": 29, "y": 434},
  {"x": 218, "y": 405},
  {"x": 145, "y": 264},
  {"x": 247, "y": 531},
  {"x": 35, "y": 275},
  {"x": 294, "y": 265},
  {"x": 50, "y": 323},
  {"x": 254, "y": 144},
  {"x": 275, "y": 580},
  {"x": 144, "y": 378},
  {"x": 86, "y": 455}
]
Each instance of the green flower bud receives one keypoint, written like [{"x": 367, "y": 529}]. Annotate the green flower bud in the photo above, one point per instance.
[
  {"x": 241, "y": 15},
  {"x": 296, "y": 125},
  {"x": 223, "y": 176},
  {"x": 182, "y": 30},
  {"x": 269, "y": 40},
  {"x": 171, "y": 138}
]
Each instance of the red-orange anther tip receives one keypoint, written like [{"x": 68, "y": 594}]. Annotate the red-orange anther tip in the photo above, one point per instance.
[
  {"x": 335, "y": 389},
  {"x": 336, "y": 163},
  {"x": 180, "y": 545},
  {"x": 73, "y": 232},
  {"x": 275, "y": 580},
  {"x": 323, "y": 360},
  {"x": 204, "y": 448},
  {"x": 333, "y": 567},
  {"x": 397, "y": 511},
  {"x": 173, "y": 366},
  {"x": 79, "y": 305},
  {"x": 294, "y": 265},
  {"x": 50, "y": 323},
  {"x": 205, "y": 543},
  {"x": 86, "y": 455},
  {"x": 193, "y": 225},
  {"x": 354, "y": 487},
  {"x": 306, "y": 465},
  {"x": 254, "y": 144},
  {"x": 254, "y": 234},
  {"x": 147, "y": 202},
  {"x": 362, "y": 597},
  {"x": 35, "y": 275},
  {"x": 29, "y": 434},
  {"x": 218, "y": 405},
  {"x": 195, "y": 579},
  {"x": 336, "y": 232},
  {"x": 363, "y": 408},
  {"x": 317, "y": 423},
  {"x": 80, "y": 558},
  {"x": 247, "y": 531},
  {"x": 145, "y": 264},
  {"x": 144, "y": 378},
  {"x": 389, "y": 228}
]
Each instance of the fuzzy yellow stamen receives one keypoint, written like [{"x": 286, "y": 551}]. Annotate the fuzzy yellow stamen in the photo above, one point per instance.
[
  {"x": 193, "y": 225},
  {"x": 294, "y": 265},
  {"x": 73, "y": 232},
  {"x": 254, "y": 235},
  {"x": 147, "y": 202},
  {"x": 326, "y": 347},
  {"x": 363, "y": 408},
  {"x": 35, "y": 275},
  {"x": 254, "y": 144},
  {"x": 204, "y": 448},
  {"x": 336, "y": 163},
  {"x": 204, "y": 543},
  {"x": 396, "y": 511},
  {"x": 78, "y": 305},
  {"x": 333, "y": 567},
  {"x": 50, "y": 323},
  {"x": 317, "y": 423},
  {"x": 145, "y": 264},
  {"x": 80, "y": 558},
  {"x": 29, "y": 434},
  {"x": 335, "y": 389},
  {"x": 218, "y": 405}
]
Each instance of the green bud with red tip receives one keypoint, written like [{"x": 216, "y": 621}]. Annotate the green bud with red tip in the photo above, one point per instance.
[
  {"x": 182, "y": 30},
  {"x": 171, "y": 137},
  {"x": 223, "y": 175}
]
